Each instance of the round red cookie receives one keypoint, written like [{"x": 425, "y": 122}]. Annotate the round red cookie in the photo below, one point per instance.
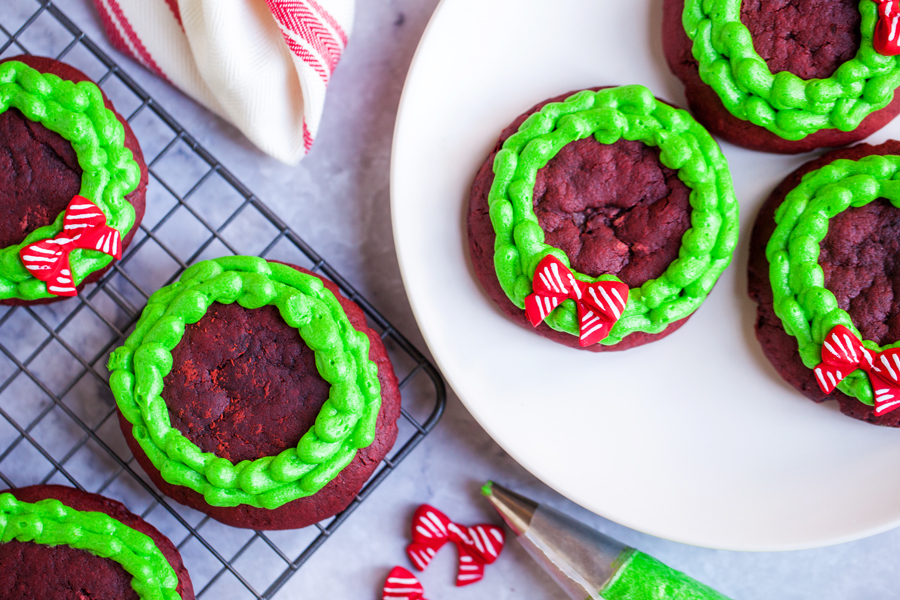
[
  {"x": 809, "y": 38},
  {"x": 612, "y": 208},
  {"x": 860, "y": 257},
  {"x": 39, "y": 172},
  {"x": 244, "y": 385},
  {"x": 29, "y": 570}
]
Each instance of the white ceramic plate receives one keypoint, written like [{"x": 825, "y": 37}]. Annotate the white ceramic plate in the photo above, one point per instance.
[{"x": 694, "y": 438}]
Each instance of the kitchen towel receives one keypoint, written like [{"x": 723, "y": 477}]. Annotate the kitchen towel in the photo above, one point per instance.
[{"x": 262, "y": 65}]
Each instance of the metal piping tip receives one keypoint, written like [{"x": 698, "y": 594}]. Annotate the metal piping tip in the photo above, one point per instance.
[{"x": 516, "y": 510}]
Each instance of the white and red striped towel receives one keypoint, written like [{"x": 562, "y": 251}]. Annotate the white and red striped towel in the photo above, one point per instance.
[{"x": 263, "y": 65}]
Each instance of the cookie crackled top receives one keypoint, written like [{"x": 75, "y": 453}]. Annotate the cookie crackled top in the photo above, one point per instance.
[
  {"x": 255, "y": 392},
  {"x": 345, "y": 424},
  {"x": 785, "y": 77},
  {"x": 617, "y": 183},
  {"x": 63, "y": 543},
  {"x": 823, "y": 257},
  {"x": 56, "y": 126}
]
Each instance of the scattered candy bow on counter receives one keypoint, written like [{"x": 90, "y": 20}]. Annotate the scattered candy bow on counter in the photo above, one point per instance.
[
  {"x": 402, "y": 585},
  {"x": 84, "y": 226},
  {"x": 600, "y": 304},
  {"x": 842, "y": 353},
  {"x": 885, "y": 39},
  {"x": 478, "y": 546}
]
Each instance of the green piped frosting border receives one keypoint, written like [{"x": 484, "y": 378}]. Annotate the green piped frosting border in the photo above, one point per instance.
[
  {"x": 51, "y": 523},
  {"x": 109, "y": 172},
  {"x": 808, "y": 311},
  {"x": 788, "y": 106},
  {"x": 631, "y": 113},
  {"x": 345, "y": 423}
]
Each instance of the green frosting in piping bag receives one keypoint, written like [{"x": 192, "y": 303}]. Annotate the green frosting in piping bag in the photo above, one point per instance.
[
  {"x": 109, "y": 172},
  {"x": 345, "y": 423},
  {"x": 631, "y": 113},
  {"x": 808, "y": 311},
  {"x": 642, "y": 577},
  {"x": 52, "y": 523},
  {"x": 790, "y": 107}
]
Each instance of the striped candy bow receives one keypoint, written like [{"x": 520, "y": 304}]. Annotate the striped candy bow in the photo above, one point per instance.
[
  {"x": 885, "y": 38},
  {"x": 478, "y": 546},
  {"x": 84, "y": 226},
  {"x": 402, "y": 585},
  {"x": 600, "y": 304},
  {"x": 842, "y": 353}
]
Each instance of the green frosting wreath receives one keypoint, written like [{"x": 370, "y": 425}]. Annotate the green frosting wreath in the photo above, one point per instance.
[
  {"x": 109, "y": 172},
  {"x": 631, "y": 113},
  {"x": 345, "y": 423},
  {"x": 808, "y": 311},
  {"x": 786, "y": 105},
  {"x": 50, "y": 522}
]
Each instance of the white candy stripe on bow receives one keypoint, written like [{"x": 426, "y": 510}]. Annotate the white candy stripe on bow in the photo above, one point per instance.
[
  {"x": 84, "y": 226},
  {"x": 843, "y": 353},
  {"x": 600, "y": 304},
  {"x": 885, "y": 378},
  {"x": 887, "y": 27},
  {"x": 402, "y": 585},
  {"x": 476, "y": 549},
  {"x": 478, "y": 546}
]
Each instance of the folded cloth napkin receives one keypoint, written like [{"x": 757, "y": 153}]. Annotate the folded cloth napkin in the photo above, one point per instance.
[{"x": 262, "y": 65}]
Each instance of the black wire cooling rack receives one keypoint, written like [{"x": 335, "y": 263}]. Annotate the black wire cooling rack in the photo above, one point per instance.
[{"x": 59, "y": 423}]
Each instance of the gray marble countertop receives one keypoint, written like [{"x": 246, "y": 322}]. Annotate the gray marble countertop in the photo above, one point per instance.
[{"x": 338, "y": 200}]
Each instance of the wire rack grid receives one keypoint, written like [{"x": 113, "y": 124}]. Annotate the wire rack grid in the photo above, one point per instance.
[{"x": 59, "y": 422}]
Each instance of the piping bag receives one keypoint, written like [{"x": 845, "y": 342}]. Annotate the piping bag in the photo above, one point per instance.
[{"x": 584, "y": 562}]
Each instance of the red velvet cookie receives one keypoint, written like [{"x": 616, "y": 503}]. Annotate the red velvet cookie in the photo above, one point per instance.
[
  {"x": 244, "y": 386},
  {"x": 809, "y": 38},
  {"x": 613, "y": 208},
  {"x": 859, "y": 257},
  {"x": 61, "y": 572},
  {"x": 40, "y": 173}
]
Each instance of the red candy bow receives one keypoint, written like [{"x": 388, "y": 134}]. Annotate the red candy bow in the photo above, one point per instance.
[
  {"x": 600, "y": 304},
  {"x": 402, "y": 585},
  {"x": 887, "y": 28},
  {"x": 84, "y": 226},
  {"x": 842, "y": 353},
  {"x": 478, "y": 546}
]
